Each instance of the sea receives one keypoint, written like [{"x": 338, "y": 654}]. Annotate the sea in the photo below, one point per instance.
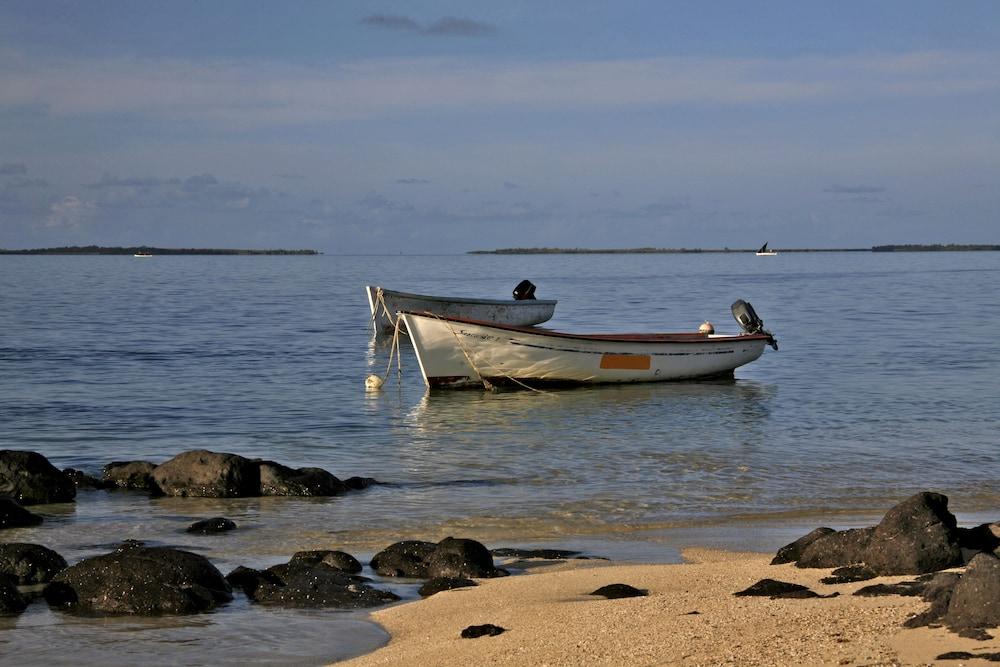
[{"x": 885, "y": 384}]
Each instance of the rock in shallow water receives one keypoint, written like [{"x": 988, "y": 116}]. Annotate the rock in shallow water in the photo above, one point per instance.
[
  {"x": 218, "y": 524},
  {"x": 30, "y": 564},
  {"x": 131, "y": 475},
  {"x": 451, "y": 557},
  {"x": 11, "y": 601},
  {"x": 12, "y": 515},
  {"x": 143, "y": 581},
  {"x": 30, "y": 479}
]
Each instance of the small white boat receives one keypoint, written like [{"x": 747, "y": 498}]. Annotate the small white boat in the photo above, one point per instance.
[
  {"x": 523, "y": 311},
  {"x": 457, "y": 352},
  {"x": 142, "y": 253},
  {"x": 764, "y": 252}
]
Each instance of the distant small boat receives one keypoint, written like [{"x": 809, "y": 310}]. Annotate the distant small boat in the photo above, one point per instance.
[
  {"x": 764, "y": 252},
  {"x": 457, "y": 352},
  {"x": 143, "y": 253},
  {"x": 523, "y": 310}
]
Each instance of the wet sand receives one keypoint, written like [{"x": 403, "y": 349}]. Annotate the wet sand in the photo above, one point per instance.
[{"x": 690, "y": 617}]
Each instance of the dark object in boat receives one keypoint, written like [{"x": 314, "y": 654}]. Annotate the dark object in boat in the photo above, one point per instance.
[{"x": 525, "y": 290}]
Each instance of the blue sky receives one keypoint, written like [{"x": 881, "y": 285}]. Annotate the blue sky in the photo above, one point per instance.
[{"x": 387, "y": 127}]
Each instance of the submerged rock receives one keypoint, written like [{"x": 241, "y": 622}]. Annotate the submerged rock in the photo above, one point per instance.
[
  {"x": 30, "y": 563},
  {"x": 11, "y": 601},
  {"x": 30, "y": 479},
  {"x": 438, "y": 584},
  {"x": 219, "y": 524},
  {"x": 338, "y": 560},
  {"x": 303, "y": 584},
  {"x": 12, "y": 515},
  {"x": 543, "y": 554},
  {"x": 141, "y": 581},
  {"x": 82, "y": 480},
  {"x": 279, "y": 480}
]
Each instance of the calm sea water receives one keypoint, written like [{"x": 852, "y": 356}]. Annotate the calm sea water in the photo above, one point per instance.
[{"x": 885, "y": 384}]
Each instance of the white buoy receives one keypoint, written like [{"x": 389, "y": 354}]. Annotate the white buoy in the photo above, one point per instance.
[
  {"x": 706, "y": 328},
  {"x": 373, "y": 383}
]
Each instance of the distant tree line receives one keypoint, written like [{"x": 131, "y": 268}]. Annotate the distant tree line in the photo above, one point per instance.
[
  {"x": 118, "y": 250},
  {"x": 950, "y": 247}
]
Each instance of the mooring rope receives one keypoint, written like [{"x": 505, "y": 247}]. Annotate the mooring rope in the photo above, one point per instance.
[{"x": 486, "y": 383}]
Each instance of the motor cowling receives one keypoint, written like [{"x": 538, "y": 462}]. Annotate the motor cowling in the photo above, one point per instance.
[
  {"x": 525, "y": 290},
  {"x": 750, "y": 322}
]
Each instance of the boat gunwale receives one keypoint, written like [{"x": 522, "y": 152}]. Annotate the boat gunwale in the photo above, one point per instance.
[
  {"x": 651, "y": 338},
  {"x": 388, "y": 293}
]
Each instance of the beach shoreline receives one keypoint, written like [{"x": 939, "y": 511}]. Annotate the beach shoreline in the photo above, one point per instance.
[{"x": 690, "y": 617}]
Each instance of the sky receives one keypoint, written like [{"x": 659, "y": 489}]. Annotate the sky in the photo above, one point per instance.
[{"x": 393, "y": 127}]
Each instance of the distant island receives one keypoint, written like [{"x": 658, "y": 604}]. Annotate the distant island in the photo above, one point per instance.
[
  {"x": 150, "y": 250},
  {"x": 647, "y": 251}
]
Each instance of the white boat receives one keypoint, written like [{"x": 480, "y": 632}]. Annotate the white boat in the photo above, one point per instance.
[
  {"x": 457, "y": 352},
  {"x": 143, "y": 254},
  {"x": 527, "y": 311},
  {"x": 764, "y": 252}
]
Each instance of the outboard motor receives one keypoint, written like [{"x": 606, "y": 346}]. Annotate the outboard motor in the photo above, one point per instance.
[
  {"x": 750, "y": 322},
  {"x": 524, "y": 290}
]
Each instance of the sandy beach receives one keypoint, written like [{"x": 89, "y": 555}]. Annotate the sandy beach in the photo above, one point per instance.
[{"x": 690, "y": 617}]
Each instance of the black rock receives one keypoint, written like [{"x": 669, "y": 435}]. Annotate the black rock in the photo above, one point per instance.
[
  {"x": 279, "y": 480},
  {"x": 985, "y": 537},
  {"x": 29, "y": 563},
  {"x": 82, "y": 480},
  {"x": 937, "y": 590},
  {"x": 774, "y": 589},
  {"x": 141, "y": 581},
  {"x": 338, "y": 560},
  {"x": 219, "y": 524},
  {"x": 486, "y": 630},
  {"x": 201, "y": 473},
  {"x": 965, "y": 655},
  {"x": 11, "y": 601},
  {"x": 618, "y": 591},
  {"x": 792, "y": 552},
  {"x": 408, "y": 558},
  {"x": 310, "y": 585},
  {"x": 975, "y": 602},
  {"x": 904, "y": 588},
  {"x": 439, "y": 584},
  {"x": 849, "y": 575},
  {"x": 131, "y": 475},
  {"x": 457, "y": 557},
  {"x": 249, "y": 580},
  {"x": 30, "y": 479},
  {"x": 916, "y": 536},
  {"x": 360, "y": 483},
  {"x": 12, "y": 515},
  {"x": 837, "y": 549}
]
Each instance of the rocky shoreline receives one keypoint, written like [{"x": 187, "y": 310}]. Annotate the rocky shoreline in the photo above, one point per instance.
[{"x": 955, "y": 571}]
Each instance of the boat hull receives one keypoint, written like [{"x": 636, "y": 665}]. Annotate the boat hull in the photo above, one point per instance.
[
  {"x": 384, "y": 303},
  {"x": 463, "y": 353}
]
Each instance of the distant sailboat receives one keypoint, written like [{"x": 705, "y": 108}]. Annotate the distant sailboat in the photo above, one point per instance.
[{"x": 764, "y": 252}]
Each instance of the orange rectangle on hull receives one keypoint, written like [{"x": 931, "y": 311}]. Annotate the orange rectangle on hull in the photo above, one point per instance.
[{"x": 628, "y": 362}]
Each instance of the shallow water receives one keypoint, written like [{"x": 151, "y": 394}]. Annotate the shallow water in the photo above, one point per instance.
[{"x": 884, "y": 385}]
